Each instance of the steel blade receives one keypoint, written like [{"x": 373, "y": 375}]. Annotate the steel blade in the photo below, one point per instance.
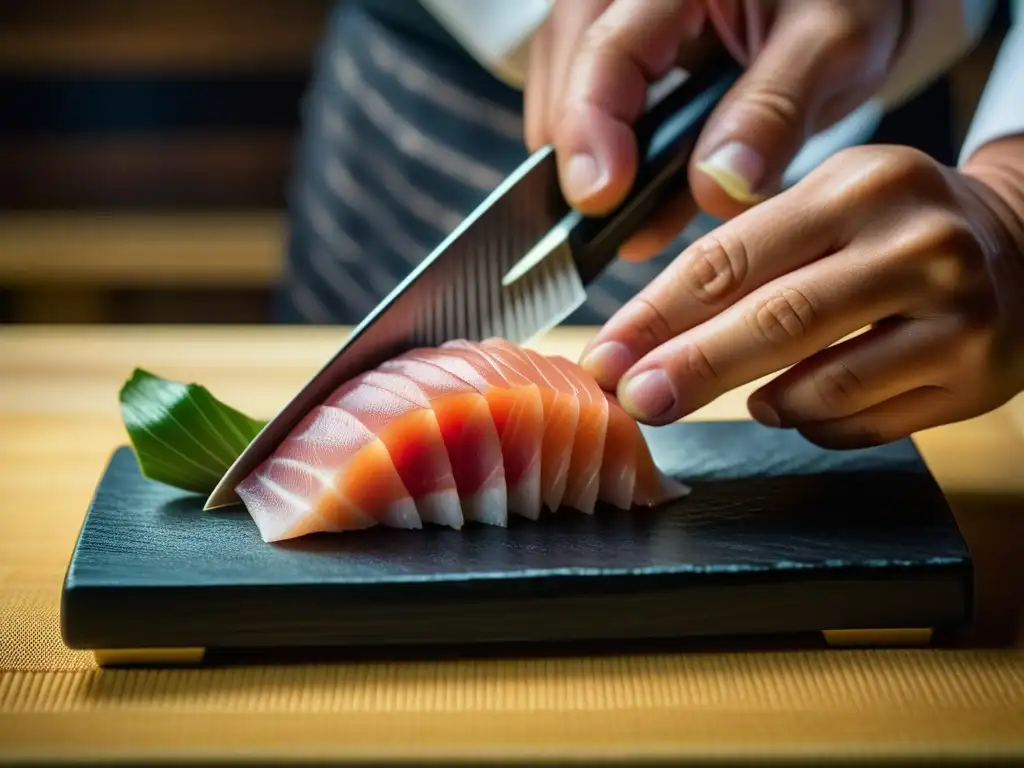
[{"x": 455, "y": 293}]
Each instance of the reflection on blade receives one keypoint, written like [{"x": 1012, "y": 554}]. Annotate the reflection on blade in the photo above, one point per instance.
[{"x": 456, "y": 293}]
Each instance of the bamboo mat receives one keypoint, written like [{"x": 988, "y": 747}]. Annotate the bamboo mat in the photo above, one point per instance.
[{"x": 704, "y": 702}]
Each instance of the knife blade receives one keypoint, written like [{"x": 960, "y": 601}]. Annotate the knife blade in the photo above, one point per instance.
[{"x": 517, "y": 266}]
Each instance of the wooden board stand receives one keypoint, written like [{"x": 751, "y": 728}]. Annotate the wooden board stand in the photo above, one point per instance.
[{"x": 777, "y": 537}]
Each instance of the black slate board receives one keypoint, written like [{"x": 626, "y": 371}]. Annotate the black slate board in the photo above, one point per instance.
[{"x": 777, "y": 536}]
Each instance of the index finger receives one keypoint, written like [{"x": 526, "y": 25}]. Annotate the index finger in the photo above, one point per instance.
[
  {"x": 714, "y": 272},
  {"x": 632, "y": 44},
  {"x": 778, "y": 325}
]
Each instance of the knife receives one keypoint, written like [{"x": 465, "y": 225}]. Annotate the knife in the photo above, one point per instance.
[{"x": 518, "y": 265}]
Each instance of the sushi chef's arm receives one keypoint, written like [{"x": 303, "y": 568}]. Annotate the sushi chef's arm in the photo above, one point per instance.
[
  {"x": 817, "y": 63},
  {"x": 930, "y": 258}
]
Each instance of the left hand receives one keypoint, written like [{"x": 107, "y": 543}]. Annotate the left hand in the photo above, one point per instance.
[{"x": 930, "y": 258}]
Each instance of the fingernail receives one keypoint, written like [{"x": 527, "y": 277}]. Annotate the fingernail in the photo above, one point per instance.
[
  {"x": 738, "y": 170},
  {"x": 764, "y": 413},
  {"x": 583, "y": 176},
  {"x": 649, "y": 395},
  {"x": 607, "y": 362}
]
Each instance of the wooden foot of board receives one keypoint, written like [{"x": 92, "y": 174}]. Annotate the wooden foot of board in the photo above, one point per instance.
[
  {"x": 148, "y": 657},
  {"x": 911, "y": 637}
]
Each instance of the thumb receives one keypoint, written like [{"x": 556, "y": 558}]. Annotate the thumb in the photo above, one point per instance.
[{"x": 821, "y": 60}]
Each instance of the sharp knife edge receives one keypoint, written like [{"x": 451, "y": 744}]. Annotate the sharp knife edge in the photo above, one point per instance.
[
  {"x": 455, "y": 292},
  {"x": 525, "y": 214}
]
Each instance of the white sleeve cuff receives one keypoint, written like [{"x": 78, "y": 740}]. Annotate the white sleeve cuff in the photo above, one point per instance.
[
  {"x": 1000, "y": 111},
  {"x": 495, "y": 32}
]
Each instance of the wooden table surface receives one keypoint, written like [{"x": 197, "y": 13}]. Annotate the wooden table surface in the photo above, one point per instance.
[{"x": 59, "y": 422}]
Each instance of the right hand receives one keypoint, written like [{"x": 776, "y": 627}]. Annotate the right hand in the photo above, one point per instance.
[{"x": 592, "y": 61}]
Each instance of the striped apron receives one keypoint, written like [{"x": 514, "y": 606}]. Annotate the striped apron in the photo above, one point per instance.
[{"x": 402, "y": 137}]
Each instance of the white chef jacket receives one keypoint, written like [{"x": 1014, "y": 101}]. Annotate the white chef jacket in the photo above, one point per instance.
[
  {"x": 1000, "y": 112},
  {"x": 497, "y": 33}
]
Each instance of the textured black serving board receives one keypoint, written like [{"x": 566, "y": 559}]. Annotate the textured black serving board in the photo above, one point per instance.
[{"x": 777, "y": 536}]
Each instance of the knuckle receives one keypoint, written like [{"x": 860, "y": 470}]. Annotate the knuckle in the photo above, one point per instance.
[
  {"x": 772, "y": 103},
  {"x": 851, "y": 43},
  {"x": 916, "y": 172},
  {"x": 715, "y": 267},
  {"x": 884, "y": 175},
  {"x": 910, "y": 171},
  {"x": 649, "y": 323},
  {"x": 950, "y": 255},
  {"x": 786, "y": 315},
  {"x": 848, "y": 38},
  {"x": 695, "y": 364},
  {"x": 603, "y": 40},
  {"x": 837, "y": 385},
  {"x": 979, "y": 345},
  {"x": 940, "y": 249},
  {"x": 840, "y": 163}
]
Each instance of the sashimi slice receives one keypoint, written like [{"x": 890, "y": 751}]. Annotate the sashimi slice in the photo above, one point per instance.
[
  {"x": 584, "y": 482},
  {"x": 469, "y": 435},
  {"x": 399, "y": 413},
  {"x": 518, "y": 413},
  {"x": 465, "y": 431},
  {"x": 561, "y": 415},
  {"x": 518, "y": 419},
  {"x": 330, "y": 474},
  {"x": 618, "y": 466},
  {"x": 653, "y": 487}
]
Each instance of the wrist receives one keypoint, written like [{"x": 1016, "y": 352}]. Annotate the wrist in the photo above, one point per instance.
[{"x": 997, "y": 172}]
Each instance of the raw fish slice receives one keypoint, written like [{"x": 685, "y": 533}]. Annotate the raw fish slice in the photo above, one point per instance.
[
  {"x": 583, "y": 486},
  {"x": 561, "y": 415},
  {"x": 653, "y": 487},
  {"x": 282, "y": 514},
  {"x": 511, "y": 420},
  {"x": 560, "y": 435},
  {"x": 518, "y": 413},
  {"x": 434, "y": 430},
  {"x": 413, "y": 439},
  {"x": 469, "y": 435},
  {"x": 400, "y": 385},
  {"x": 331, "y": 473},
  {"x": 618, "y": 467}
]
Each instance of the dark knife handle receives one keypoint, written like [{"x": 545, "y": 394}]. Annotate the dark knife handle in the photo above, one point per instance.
[{"x": 666, "y": 135}]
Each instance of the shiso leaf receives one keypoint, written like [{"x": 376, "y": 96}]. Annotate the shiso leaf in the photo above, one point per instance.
[{"x": 182, "y": 435}]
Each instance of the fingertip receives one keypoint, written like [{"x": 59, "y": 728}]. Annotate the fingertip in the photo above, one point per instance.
[
  {"x": 607, "y": 361},
  {"x": 597, "y": 160},
  {"x": 716, "y": 193},
  {"x": 763, "y": 413},
  {"x": 649, "y": 396}
]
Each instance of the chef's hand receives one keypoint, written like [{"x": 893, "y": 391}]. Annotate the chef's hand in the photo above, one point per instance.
[
  {"x": 930, "y": 258},
  {"x": 592, "y": 60}
]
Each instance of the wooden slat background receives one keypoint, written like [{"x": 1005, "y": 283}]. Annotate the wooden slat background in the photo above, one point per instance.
[
  {"x": 168, "y": 225},
  {"x": 200, "y": 36},
  {"x": 155, "y": 225}
]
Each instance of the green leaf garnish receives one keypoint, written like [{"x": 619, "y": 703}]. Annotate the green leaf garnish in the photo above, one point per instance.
[{"x": 182, "y": 435}]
